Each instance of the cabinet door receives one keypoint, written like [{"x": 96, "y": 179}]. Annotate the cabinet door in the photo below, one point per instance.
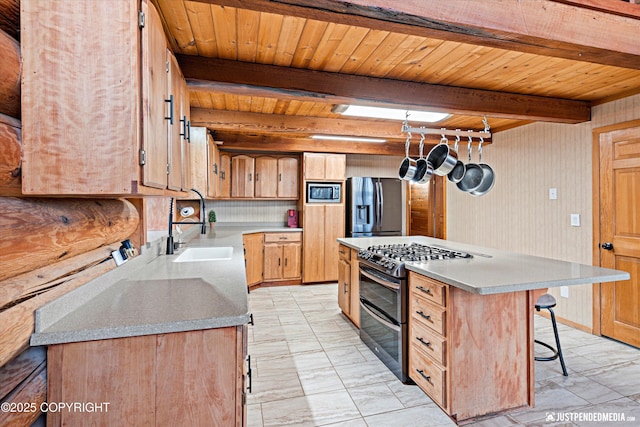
[
  {"x": 173, "y": 124},
  {"x": 224, "y": 190},
  {"x": 213, "y": 168},
  {"x": 344, "y": 286},
  {"x": 333, "y": 229},
  {"x": 288, "y": 177},
  {"x": 273, "y": 262},
  {"x": 154, "y": 143},
  {"x": 313, "y": 245},
  {"x": 291, "y": 252},
  {"x": 242, "y": 171},
  {"x": 185, "y": 134},
  {"x": 335, "y": 167},
  {"x": 198, "y": 159},
  {"x": 266, "y": 182},
  {"x": 314, "y": 166},
  {"x": 253, "y": 258}
]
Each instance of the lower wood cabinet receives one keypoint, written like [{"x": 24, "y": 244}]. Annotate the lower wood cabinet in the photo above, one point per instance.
[
  {"x": 472, "y": 354},
  {"x": 253, "y": 257},
  {"x": 192, "y": 378},
  {"x": 273, "y": 257},
  {"x": 349, "y": 283}
]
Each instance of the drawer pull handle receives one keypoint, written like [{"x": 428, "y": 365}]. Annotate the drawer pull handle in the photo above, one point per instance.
[
  {"x": 425, "y": 290},
  {"x": 424, "y": 316},
  {"x": 283, "y": 237},
  {"x": 426, "y": 343},
  {"x": 426, "y": 377}
]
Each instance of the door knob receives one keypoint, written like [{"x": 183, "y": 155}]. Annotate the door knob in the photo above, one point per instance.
[{"x": 607, "y": 246}]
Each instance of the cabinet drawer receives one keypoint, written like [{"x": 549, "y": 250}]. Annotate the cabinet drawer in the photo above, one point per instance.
[
  {"x": 282, "y": 237},
  {"x": 430, "y": 377},
  {"x": 431, "y": 344},
  {"x": 428, "y": 314},
  {"x": 344, "y": 252},
  {"x": 430, "y": 289}
]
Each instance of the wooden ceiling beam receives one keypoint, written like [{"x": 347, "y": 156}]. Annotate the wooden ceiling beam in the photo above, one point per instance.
[
  {"x": 222, "y": 120},
  {"x": 544, "y": 27},
  {"x": 241, "y": 78},
  {"x": 261, "y": 143}
]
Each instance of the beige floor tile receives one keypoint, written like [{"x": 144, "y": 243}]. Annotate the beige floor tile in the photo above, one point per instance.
[
  {"x": 375, "y": 399},
  {"x": 312, "y": 410}
]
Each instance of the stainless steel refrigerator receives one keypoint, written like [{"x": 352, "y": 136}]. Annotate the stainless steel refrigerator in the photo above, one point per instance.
[{"x": 374, "y": 207}]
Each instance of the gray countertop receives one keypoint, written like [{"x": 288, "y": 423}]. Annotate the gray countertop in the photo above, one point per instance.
[
  {"x": 151, "y": 294},
  {"x": 492, "y": 271}
]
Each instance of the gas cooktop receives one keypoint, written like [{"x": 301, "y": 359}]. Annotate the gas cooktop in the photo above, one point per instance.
[{"x": 391, "y": 258}]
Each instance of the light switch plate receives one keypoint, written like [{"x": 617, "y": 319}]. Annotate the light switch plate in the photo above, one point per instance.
[
  {"x": 553, "y": 193},
  {"x": 575, "y": 220},
  {"x": 564, "y": 291}
]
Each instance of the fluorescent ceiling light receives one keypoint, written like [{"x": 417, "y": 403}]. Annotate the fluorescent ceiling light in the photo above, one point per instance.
[
  {"x": 347, "y": 138},
  {"x": 390, "y": 113}
]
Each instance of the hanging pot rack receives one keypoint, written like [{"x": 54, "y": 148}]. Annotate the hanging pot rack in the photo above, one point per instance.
[{"x": 485, "y": 134}]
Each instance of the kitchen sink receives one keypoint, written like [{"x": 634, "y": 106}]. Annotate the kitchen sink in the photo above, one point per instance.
[{"x": 205, "y": 254}]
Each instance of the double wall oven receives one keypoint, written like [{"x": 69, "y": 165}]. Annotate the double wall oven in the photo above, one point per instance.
[{"x": 384, "y": 299}]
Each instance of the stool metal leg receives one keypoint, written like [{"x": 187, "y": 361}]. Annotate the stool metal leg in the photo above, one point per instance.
[{"x": 559, "y": 350}]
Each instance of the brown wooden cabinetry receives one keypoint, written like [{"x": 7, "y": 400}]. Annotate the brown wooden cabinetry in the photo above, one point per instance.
[
  {"x": 253, "y": 257},
  {"x": 242, "y": 176},
  {"x": 288, "y": 172},
  {"x": 325, "y": 224},
  {"x": 224, "y": 189},
  {"x": 455, "y": 348},
  {"x": 324, "y": 167},
  {"x": 105, "y": 128},
  {"x": 197, "y": 377},
  {"x": 266, "y": 177},
  {"x": 349, "y": 283},
  {"x": 282, "y": 255},
  {"x": 213, "y": 168}
]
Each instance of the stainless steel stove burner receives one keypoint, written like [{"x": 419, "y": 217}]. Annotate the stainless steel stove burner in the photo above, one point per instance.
[{"x": 392, "y": 257}]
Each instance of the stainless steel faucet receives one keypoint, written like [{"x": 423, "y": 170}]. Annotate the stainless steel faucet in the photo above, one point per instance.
[{"x": 203, "y": 229}]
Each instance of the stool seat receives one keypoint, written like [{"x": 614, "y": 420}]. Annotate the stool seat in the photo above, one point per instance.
[{"x": 547, "y": 301}]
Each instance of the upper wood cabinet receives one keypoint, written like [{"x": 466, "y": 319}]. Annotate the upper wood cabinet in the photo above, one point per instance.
[
  {"x": 288, "y": 182},
  {"x": 95, "y": 126},
  {"x": 266, "y": 177},
  {"x": 324, "y": 167},
  {"x": 224, "y": 187},
  {"x": 242, "y": 176}
]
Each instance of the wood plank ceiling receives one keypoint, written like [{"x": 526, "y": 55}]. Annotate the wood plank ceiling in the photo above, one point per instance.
[{"x": 266, "y": 74}]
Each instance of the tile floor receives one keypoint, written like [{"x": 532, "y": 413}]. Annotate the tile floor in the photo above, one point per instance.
[{"x": 311, "y": 369}]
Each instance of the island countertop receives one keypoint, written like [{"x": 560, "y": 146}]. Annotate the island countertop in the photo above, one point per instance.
[
  {"x": 152, "y": 294},
  {"x": 491, "y": 271}
]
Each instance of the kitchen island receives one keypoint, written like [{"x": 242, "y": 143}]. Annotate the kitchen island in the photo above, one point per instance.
[
  {"x": 155, "y": 340},
  {"x": 468, "y": 341}
]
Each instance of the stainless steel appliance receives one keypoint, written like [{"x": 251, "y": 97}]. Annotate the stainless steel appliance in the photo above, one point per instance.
[
  {"x": 384, "y": 299},
  {"x": 374, "y": 207},
  {"x": 324, "y": 192}
]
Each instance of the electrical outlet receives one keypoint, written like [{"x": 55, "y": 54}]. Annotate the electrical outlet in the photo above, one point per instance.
[
  {"x": 564, "y": 291},
  {"x": 553, "y": 194},
  {"x": 575, "y": 220}
]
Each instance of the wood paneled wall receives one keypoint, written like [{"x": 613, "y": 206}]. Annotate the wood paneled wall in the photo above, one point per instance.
[{"x": 517, "y": 214}]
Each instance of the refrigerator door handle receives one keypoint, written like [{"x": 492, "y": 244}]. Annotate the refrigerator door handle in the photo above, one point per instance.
[{"x": 380, "y": 204}]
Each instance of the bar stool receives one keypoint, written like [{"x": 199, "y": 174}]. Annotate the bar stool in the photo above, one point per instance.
[{"x": 548, "y": 301}]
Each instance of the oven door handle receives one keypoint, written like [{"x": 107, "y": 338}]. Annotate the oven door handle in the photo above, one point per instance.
[
  {"x": 365, "y": 305},
  {"x": 380, "y": 280}
]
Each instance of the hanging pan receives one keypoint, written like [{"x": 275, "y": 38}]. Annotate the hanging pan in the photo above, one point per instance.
[
  {"x": 408, "y": 167},
  {"x": 472, "y": 175},
  {"x": 457, "y": 173},
  {"x": 424, "y": 170},
  {"x": 488, "y": 176},
  {"x": 442, "y": 157}
]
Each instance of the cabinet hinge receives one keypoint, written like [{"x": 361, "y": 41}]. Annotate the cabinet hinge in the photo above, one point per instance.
[
  {"x": 141, "y": 19},
  {"x": 167, "y": 66},
  {"x": 143, "y": 157},
  {"x": 244, "y": 398},
  {"x": 168, "y": 168}
]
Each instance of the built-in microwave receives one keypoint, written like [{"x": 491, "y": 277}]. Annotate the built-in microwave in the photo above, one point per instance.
[{"x": 323, "y": 192}]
